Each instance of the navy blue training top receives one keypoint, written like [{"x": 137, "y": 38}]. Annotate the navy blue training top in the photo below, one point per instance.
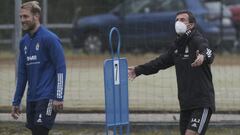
[{"x": 42, "y": 66}]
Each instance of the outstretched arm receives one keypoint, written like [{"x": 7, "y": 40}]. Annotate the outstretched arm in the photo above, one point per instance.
[
  {"x": 162, "y": 62},
  {"x": 204, "y": 54},
  {"x": 131, "y": 73}
]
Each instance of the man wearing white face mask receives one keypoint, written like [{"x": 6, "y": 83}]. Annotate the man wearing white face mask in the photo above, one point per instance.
[{"x": 192, "y": 57}]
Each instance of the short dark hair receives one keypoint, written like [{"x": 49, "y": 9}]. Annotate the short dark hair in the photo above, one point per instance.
[{"x": 191, "y": 18}]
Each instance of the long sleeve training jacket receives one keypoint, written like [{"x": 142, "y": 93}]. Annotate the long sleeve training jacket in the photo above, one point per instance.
[
  {"x": 41, "y": 65},
  {"x": 195, "y": 87}
]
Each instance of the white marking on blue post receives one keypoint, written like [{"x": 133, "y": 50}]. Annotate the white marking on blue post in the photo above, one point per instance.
[{"x": 116, "y": 72}]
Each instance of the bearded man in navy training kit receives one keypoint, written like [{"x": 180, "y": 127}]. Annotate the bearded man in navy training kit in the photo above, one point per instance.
[
  {"x": 192, "y": 57},
  {"x": 41, "y": 65}
]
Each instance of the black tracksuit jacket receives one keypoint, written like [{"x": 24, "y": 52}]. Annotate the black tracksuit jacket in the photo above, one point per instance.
[{"x": 195, "y": 87}]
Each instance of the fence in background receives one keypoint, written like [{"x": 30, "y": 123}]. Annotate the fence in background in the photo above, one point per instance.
[{"x": 10, "y": 28}]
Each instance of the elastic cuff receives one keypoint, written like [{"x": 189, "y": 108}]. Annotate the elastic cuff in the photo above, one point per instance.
[{"x": 137, "y": 71}]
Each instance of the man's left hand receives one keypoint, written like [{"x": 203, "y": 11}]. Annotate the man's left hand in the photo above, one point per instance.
[
  {"x": 57, "y": 105},
  {"x": 199, "y": 60}
]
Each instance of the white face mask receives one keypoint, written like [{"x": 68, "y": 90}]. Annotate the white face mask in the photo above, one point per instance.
[{"x": 180, "y": 27}]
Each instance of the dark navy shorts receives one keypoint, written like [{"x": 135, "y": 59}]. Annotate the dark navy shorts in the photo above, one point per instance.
[
  {"x": 40, "y": 113},
  {"x": 196, "y": 120}
]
